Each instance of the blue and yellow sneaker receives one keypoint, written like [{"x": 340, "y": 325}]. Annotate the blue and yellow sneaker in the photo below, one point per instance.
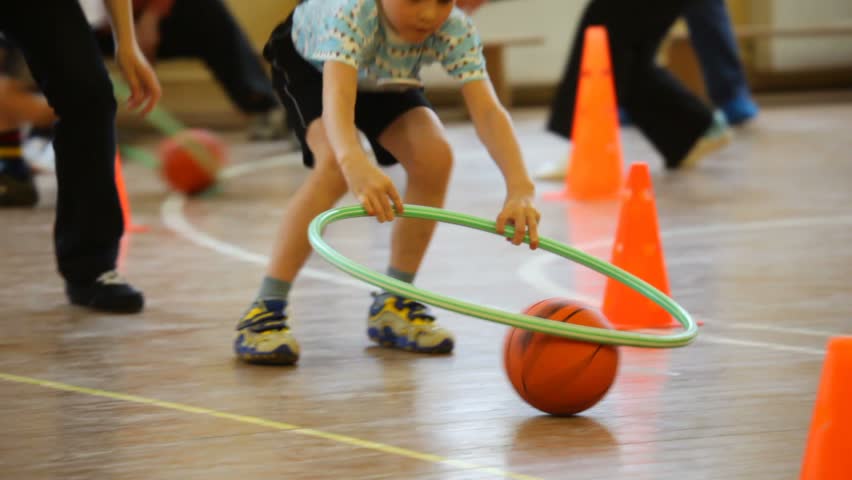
[
  {"x": 398, "y": 322},
  {"x": 264, "y": 336}
]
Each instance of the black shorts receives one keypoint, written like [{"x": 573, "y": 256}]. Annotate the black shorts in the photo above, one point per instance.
[{"x": 299, "y": 85}]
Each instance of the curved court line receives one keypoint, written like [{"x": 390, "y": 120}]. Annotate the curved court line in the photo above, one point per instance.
[
  {"x": 171, "y": 212},
  {"x": 271, "y": 424},
  {"x": 750, "y": 343},
  {"x": 791, "y": 330},
  {"x": 172, "y": 215},
  {"x": 712, "y": 338},
  {"x": 532, "y": 271}
]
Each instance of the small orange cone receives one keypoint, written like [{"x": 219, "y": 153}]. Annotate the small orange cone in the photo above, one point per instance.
[
  {"x": 638, "y": 250},
  {"x": 828, "y": 455},
  {"x": 595, "y": 169},
  {"x": 123, "y": 199}
]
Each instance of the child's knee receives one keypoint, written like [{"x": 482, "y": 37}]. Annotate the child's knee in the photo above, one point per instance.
[
  {"x": 328, "y": 174},
  {"x": 433, "y": 163}
]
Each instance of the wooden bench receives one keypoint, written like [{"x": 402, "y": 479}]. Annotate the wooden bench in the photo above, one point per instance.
[
  {"x": 494, "y": 50},
  {"x": 681, "y": 60}
]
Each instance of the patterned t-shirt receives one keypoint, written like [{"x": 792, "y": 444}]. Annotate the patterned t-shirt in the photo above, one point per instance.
[{"x": 351, "y": 32}]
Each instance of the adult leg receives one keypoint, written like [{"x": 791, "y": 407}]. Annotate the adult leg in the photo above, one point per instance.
[
  {"x": 206, "y": 29},
  {"x": 74, "y": 80},
  {"x": 668, "y": 114},
  {"x": 89, "y": 222},
  {"x": 714, "y": 43}
]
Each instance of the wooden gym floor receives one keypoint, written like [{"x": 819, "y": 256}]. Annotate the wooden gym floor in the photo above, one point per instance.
[{"x": 757, "y": 245}]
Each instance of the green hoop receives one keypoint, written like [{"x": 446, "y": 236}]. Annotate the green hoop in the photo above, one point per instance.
[{"x": 527, "y": 322}]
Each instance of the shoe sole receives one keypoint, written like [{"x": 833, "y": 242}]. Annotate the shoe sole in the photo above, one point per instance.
[
  {"x": 130, "y": 309},
  {"x": 706, "y": 147},
  {"x": 387, "y": 338},
  {"x": 284, "y": 357}
]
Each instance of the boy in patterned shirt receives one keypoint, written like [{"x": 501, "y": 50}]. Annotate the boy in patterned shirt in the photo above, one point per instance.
[{"x": 338, "y": 66}]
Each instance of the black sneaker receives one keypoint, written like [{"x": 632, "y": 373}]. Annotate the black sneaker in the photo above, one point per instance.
[
  {"x": 17, "y": 192},
  {"x": 109, "y": 293}
]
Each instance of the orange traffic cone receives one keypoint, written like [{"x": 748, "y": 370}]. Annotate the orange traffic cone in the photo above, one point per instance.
[
  {"x": 123, "y": 199},
  {"x": 595, "y": 169},
  {"x": 638, "y": 250},
  {"x": 827, "y": 455}
]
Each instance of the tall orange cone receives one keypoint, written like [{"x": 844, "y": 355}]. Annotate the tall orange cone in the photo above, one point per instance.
[
  {"x": 123, "y": 198},
  {"x": 595, "y": 169},
  {"x": 828, "y": 455},
  {"x": 638, "y": 250}
]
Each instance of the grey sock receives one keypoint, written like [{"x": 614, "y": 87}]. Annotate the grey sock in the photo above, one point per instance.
[
  {"x": 407, "y": 277},
  {"x": 273, "y": 289}
]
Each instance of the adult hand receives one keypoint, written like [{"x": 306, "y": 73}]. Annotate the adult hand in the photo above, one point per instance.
[{"x": 145, "y": 89}]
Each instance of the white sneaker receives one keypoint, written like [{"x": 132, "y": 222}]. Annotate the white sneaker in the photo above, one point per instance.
[
  {"x": 38, "y": 152},
  {"x": 715, "y": 138},
  {"x": 555, "y": 170},
  {"x": 268, "y": 126}
]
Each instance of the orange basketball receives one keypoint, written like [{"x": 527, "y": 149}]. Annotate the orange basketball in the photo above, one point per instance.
[
  {"x": 557, "y": 375},
  {"x": 191, "y": 160}
]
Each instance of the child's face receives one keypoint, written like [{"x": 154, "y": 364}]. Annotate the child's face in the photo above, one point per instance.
[{"x": 415, "y": 20}]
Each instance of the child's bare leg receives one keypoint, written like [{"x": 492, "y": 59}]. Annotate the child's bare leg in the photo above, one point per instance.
[
  {"x": 263, "y": 333},
  {"x": 320, "y": 191},
  {"x": 417, "y": 140}
]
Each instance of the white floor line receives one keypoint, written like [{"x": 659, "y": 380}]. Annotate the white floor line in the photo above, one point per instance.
[{"x": 531, "y": 271}]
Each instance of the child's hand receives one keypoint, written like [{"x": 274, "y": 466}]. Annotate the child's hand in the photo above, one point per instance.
[
  {"x": 144, "y": 87},
  {"x": 372, "y": 188},
  {"x": 520, "y": 212}
]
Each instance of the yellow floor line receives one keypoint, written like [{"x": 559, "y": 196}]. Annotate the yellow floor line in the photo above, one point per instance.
[{"x": 272, "y": 424}]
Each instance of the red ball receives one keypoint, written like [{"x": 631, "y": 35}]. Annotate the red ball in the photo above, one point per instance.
[
  {"x": 557, "y": 375},
  {"x": 190, "y": 160}
]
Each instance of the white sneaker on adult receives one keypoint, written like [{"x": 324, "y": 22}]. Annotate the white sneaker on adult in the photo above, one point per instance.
[
  {"x": 554, "y": 170},
  {"x": 38, "y": 152}
]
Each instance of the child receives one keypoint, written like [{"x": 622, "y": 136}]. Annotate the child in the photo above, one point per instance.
[
  {"x": 18, "y": 106},
  {"x": 63, "y": 57},
  {"x": 330, "y": 59}
]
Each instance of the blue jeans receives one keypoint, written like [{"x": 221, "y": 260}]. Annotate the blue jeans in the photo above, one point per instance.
[{"x": 716, "y": 47}]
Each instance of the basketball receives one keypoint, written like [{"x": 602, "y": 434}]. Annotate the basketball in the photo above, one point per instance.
[
  {"x": 191, "y": 160},
  {"x": 557, "y": 375}
]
